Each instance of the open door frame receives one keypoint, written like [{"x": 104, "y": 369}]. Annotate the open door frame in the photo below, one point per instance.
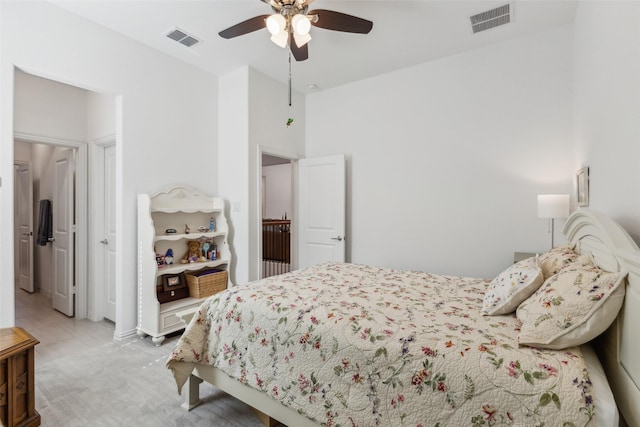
[
  {"x": 261, "y": 149},
  {"x": 64, "y": 233},
  {"x": 99, "y": 274},
  {"x": 23, "y": 236},
  {"x": 81, "y": 239}
]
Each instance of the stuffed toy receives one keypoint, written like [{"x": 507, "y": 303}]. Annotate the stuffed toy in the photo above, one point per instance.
[{"x": 193, "y": 254}]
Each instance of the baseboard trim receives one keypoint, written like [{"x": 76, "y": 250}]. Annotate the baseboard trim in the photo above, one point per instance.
[{"x": 124, "y": 335}]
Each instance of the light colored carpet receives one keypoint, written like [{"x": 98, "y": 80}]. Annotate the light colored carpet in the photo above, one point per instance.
[{"x": 127, "y": 384}]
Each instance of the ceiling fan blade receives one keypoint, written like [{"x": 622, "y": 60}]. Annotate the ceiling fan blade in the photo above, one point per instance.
[
  {"x": 338, "y": 21},
  {"x": 299, "y": 53},
  {"x": 244, "y": 27}
]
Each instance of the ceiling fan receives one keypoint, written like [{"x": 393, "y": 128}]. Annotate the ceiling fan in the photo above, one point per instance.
[{"x": 291, "y": 21}]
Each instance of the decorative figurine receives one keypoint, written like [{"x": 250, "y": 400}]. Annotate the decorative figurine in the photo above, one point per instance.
[
  {"x": 187, "y": 230},
  {"x": 168, "y": 257},
  {"x": 205, "y": 249},
  {"x": 212, "y": 224}
]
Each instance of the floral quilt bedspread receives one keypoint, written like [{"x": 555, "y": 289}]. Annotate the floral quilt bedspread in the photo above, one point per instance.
[{"x": 354, "y": 345}]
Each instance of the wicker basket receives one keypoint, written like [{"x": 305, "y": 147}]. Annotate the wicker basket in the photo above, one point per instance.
[{"x": 207, "y": 282}]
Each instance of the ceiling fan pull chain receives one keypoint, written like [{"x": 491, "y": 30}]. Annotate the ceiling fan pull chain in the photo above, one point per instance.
[
  {"x": 289, "y": 119},
  {"x": 289, "y": 78}
]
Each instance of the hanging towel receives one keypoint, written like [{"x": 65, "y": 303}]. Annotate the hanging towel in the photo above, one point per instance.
[{"x": 45, "y": 223}]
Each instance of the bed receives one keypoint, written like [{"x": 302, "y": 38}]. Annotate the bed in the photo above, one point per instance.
[{"x": 345, "y": 344}]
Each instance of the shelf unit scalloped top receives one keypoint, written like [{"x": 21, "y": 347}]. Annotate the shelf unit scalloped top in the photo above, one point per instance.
[{"x": 185, "y": 199}]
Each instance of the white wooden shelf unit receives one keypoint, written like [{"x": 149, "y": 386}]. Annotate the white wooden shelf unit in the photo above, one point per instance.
[{"x": 174, "y": 207}]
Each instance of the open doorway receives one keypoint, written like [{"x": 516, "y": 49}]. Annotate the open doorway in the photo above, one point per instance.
[
  {"x": 45, "y": 188},
  {"x": 53, "y": 119},
  {"x": 277, "y": 209}
]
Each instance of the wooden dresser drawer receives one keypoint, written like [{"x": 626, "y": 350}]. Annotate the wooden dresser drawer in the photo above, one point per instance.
[{"x": 17, "y": 379}]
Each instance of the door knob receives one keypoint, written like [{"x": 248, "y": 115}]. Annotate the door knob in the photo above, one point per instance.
[
  {"x": 339, "y": 238},
  {"x": 104, "y": 242}
]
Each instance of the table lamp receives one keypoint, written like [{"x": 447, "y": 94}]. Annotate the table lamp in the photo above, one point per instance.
[{"x": 553, "y": 206}]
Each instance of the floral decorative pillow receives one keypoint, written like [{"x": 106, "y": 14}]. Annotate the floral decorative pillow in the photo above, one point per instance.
[
  {"x": 512, "y": 286},
  {"x": 555, "y": 259},
  {"x": 571, "y": 307}
]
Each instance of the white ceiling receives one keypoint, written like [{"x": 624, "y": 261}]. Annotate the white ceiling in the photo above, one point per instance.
[{"x": 405, "y": 33}]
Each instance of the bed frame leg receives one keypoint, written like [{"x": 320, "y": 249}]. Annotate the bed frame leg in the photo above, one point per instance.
[
  {"x": 192, "y": 393},
  {"x": 266, "y": 419}
]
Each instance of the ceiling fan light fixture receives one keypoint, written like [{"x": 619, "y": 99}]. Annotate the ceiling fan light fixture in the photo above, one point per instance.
[
  {"x": 301, "y": 39},
  {"x": 301, "y": 24},
  {"x": 290, "y": 22},
  {"x": 280, "y": 39},
  {"x": 276, "y": 24}
]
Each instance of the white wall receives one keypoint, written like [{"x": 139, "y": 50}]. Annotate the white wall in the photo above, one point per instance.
[
  {"x": 233, "y": 164},
  {"x": 167, "y": 119},
  {"x": 607, "y": 107},
  {"x": 445, "y": 159},
  {"x": 278, "y": 191},
  {"x": 254, "y": 117},
  {"x": 22, "y": 151},
  {"x": 101, "y": 115},
  {"x": 47, "y": 108}
]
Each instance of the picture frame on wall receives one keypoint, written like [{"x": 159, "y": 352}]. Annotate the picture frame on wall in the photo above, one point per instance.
[{"x": 582, "y": 186}]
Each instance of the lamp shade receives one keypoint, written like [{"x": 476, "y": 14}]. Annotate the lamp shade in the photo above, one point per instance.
[
  {"x": 301, "y": 24},
  {"x": 553, "y": 206},
  {"x": 276, "y": 23},
  {"x": 301, "y": 39},
  {"x": 280, "y": 39}
]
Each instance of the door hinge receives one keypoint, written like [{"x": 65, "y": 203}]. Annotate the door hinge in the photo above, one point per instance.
[{"x": 73, "y": 289}]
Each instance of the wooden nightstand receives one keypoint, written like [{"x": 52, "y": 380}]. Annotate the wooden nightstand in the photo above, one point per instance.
[
  {"x": 17, "y": 379},
  {"x": 519, "y": 256}
]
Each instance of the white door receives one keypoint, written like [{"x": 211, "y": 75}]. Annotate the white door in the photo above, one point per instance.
[
  {"x": 109, "y": 240},
  {"x": 321, "y": 212},
  {"x": 24, "y": 221},
  {"x": 63, "y": 233}
]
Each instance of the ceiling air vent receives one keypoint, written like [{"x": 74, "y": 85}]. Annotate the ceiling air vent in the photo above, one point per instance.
[
  {"x": 182, "y": 37},
  {"x": 491, "y": 18}
]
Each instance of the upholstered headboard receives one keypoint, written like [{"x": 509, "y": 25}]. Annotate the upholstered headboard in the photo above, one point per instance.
[{"x": 618, "y": 348}]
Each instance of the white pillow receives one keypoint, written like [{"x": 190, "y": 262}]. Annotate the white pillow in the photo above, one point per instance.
[
  {"x": 556, "y": 259},
  {"x": 512, "y": 286},
  {"x": 572, "y": 307}
]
